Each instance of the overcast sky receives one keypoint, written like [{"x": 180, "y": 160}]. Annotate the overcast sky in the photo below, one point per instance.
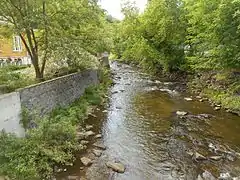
[{"x": 114, "y": 6}]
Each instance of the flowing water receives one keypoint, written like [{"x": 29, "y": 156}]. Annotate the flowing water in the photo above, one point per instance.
[{"x": 140, "y": 129}]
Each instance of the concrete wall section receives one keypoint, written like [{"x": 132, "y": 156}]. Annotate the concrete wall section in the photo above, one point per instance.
[
  {"x": 10, "y": 111},
  {"x": 44, "y": 97}
]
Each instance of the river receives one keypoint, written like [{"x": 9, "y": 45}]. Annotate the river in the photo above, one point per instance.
[{"x": 140, "y": 129}]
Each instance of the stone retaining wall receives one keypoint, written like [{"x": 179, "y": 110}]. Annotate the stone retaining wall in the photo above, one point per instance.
[{"x": 42, "y": 98}]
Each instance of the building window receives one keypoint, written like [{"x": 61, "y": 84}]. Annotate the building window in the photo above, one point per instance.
[{"x": 17, "y": 45}]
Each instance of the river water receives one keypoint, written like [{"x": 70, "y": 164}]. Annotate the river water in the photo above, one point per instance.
[{"x": 141, "y": 130}]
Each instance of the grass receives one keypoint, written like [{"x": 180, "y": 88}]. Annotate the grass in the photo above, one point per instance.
[
  {"x": 52, "y": 142},
  {"x": 221, "y": 87},
  {"x": 14, "y": 77}
]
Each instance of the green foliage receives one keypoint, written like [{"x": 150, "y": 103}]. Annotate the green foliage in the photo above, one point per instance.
[
  {"x": 57, "y": 30},
  {"x": 12, "y": 78},
  {"x": 154, "y": 39},
  {"x": 213, "y": 34}
]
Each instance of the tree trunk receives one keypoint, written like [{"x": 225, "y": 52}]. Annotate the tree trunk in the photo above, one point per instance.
[{"x": 38, "y": 73}]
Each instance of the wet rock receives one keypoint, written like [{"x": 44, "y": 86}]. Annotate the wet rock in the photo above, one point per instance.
[
  {"x": 105, "y": 111},
  {"x": 225, "y": 176},
  {"x": 89, "y": 133},
  {"x": 188, "y": 99},
  {"x": 154, "y": 88},
  {"x": 190, "y": 153},
  {"x": 86, "y": 161},
  {"x": 236, "y": 178},
  {"x": 216, "y": 158},
  {"x": 199, "y": 177},
  {"x": 217, "y": 108},
  {"x": 114, "y": 92},
  {"x": 230, "y": 158},
  {"x": 99, "y": 145},
  {"x": 98, "y": 136},
  {"x": 81, "y": 168},
  {"x": 89, "y": 127},
  {"x": 218, "y": 105},
  {"x": 181, "y": 113},
  {"x": 80, "y": 135},
  {"x": 198, "y": 97},
  {"x": 117, "y": 167},
  {"x": 208, "y": 176},
  {"x": 73, "y": 178},
  {"x": 199, "y": 157},
  {"x": 201, "y": 100},
  {"x": 158, "y": 82},
  {"x": 97, "y": 153},
  {"x": 83, "y": 142},
  {"x": 118, "y": 107},
  {"x": 93, "y": 115}
]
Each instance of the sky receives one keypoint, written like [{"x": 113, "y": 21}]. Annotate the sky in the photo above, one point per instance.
[{"x": 114, "y": 6}]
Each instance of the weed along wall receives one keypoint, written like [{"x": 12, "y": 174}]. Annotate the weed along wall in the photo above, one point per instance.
[{"x": 42, "y": 98}]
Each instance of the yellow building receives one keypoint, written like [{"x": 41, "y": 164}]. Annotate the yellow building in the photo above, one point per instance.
[{"x": 13, "y": 51}]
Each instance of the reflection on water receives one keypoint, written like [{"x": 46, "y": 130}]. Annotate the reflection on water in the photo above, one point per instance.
[{"x": 141, "y": 130}]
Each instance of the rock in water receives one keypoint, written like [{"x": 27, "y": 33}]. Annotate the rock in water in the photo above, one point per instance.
[
  {"x": 80, "y": 136},
  {"x": 216, "y": 158},
  {"x": 225, "y": 176},
  {"x": 86, "y": 161},
  {"x": 89, "y": 133},
  {"x": 98, "y": 136},
  {"x": 83, "y": 142},
  {"x": 97, "y": 153},
  {"x": 88, "y": 127},
  {"x": 208, "y": 176},
  {"x": 100, "y": 146},
  {"x": 181, "y": 113},
  {"x": 188, "y": 99},
  {"x": 199, "y": 156},
  {"x": 217, "y": 108},
  {"x": 117, "y": 167}
]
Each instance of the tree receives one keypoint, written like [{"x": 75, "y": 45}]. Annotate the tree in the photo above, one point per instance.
[{"x": 47, "y": 26}]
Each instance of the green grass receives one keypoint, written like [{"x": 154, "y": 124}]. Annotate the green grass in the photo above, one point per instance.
[
  {"x": 221, "y": 87},
  {"x": 14, "y": 77}
]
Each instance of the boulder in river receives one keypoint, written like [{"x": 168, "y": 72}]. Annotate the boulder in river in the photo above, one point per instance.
[
  {"x": 99, "y": 145},
  {"x": 117, "y": 167},
  {"x": 217, "y": 108},
  {"x": 216, "y": 158},
  {"x": 86, "y": 161},
  {"x": 188, "y": 99},
  {"x": 97, "y": 153},
  {"x": 208, "y": 176},
  {"x": 84, "y": 142},
  {"x": 181, "y": 113},
  {"x": 225, "y": 176},
  {"x": 89, "y": 133},
  {"x": 199, "y": 157},
  {"x": 98, "y": 136},
  {"x": 80, "y": 135}
]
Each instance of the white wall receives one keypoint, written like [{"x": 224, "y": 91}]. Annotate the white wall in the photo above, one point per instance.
[{"x": 10, "y": 111}]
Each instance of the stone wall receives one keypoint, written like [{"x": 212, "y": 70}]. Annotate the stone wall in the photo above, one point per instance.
[{"x": 42, "y": 98}]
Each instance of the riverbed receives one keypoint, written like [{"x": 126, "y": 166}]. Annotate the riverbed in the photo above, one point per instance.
[{"x": 141, "y": 130}]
